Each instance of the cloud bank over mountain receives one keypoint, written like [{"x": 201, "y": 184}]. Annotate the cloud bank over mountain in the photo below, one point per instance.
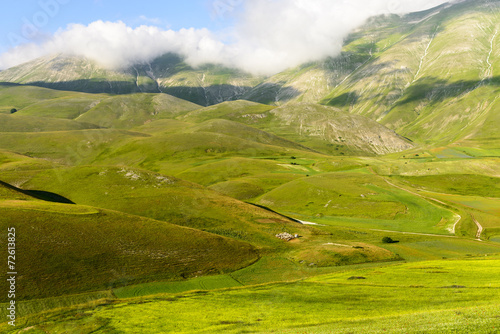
[{"x": 269, "y": 36}]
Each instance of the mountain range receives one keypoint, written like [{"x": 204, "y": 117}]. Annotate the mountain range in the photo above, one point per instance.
[
  {"x": 139, "y": 191},
  {"x": 428, "y": 76}
]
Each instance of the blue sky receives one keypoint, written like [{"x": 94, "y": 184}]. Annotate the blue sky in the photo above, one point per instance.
[{"x": 50, "y": 15}]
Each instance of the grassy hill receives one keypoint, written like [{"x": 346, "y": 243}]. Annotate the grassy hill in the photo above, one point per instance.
[
  {"x": 183, "y": 178},
  {"x": 128, "y": 111},
  {"x": 242, "y": 111},
  {"x": 165, "y": 198},
  {"x": 69, "y": 107},
  {"x": 20, "y": 123},
  {"x": 86, "y": 249},
  {"x": 18, "y": 96},
  {"x": 67, "y": 147},
  {"x": 369, "y": 200},
  {"x": 322, "y": 128}
]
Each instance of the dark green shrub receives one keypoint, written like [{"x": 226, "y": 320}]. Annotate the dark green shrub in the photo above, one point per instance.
[{"x": 388, "y": 240}]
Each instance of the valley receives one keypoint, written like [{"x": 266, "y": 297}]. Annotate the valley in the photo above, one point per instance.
[{"x": 149, "y": 199}]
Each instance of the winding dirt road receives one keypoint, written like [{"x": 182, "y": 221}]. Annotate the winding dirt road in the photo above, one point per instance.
[
  {"x": 479, "y": 227},
  {"x": 453, "y": 230}
]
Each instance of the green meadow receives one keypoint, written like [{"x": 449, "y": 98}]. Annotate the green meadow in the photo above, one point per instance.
[
  {"x": 356, "y": 194},
  {"x": 440, "y": 296},
  {"x": 177, "y": 212}
]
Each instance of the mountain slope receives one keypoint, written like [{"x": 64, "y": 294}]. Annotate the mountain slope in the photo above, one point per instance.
[
  {"x": 128, "y": 111},
  {"x": 73, "y": 248},
  {"x": 317, "y": 127},
  {"x": 438, "y": 82},
  {"x": 431, "y": 76},
  {"x": 207, "y": 85}
]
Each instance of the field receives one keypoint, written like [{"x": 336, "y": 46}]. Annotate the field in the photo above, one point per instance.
[
  {"x": 139, "y": 205},
  {"x": 357, "y": 193},
  {"x": 432, "y": 297}
]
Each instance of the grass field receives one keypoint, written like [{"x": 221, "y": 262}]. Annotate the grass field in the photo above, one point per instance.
[
  {"x": 387, "y": 299},
  {"x": 88, "y": 249},
  {"x": 18, "y": 123},
  {"x": 160, "y": 225},
  {"x": 166, "y": 198},
  {"x": 359, "y": 199},
  {"x": 202, "y": 283}
]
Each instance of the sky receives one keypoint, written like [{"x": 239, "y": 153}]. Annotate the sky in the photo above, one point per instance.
[{"x": 259, "y": 36}]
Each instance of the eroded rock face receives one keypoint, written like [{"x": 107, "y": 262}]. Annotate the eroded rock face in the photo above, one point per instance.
[{"x": 336, "y": 127}]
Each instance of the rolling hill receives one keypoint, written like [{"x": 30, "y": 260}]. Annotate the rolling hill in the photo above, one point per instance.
[
  {"x": 147, "y": 197},
  {"x": 87, "y": 249},
  {"x": 165, "y": 198}
]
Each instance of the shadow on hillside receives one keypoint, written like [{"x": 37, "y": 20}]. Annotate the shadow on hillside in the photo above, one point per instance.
[
  {"x": 48, "y": 196},
  {"x": 271, "y": 210},
  {"x": 210, "y": 95},
  {"x": 90, "y": 86},
  {"x": 9, "y": 84},
  {"x": 204, "y": 96},
  {"x": 272, "y": 92},
  {"x": 343, "y": 100},
  {"x": 429, "y": 89},
  {"x": 437, "y": 90},
  {"x": 39, "y": 194}
]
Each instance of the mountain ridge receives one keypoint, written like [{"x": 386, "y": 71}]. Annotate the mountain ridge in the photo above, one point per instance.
[{"x": 422, "y": 75}]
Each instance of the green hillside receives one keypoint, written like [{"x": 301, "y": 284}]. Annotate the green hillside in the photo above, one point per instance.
[
  {"x": 18, "y": 96},
  {"x": 432, "y": 84},
  {"x": 165, "y": 198},
  {"x": 67, "y": 147},
  {"x": 70, "y": 106},
  {"x": 355, "y": 194},
  {"x": 86, "y": 249},
  {"x": 20, "y": 123},
  {"x": 322, "y": 128},
  {"x": 242, "y": 111},
  {"x": 128, "y": 111}
]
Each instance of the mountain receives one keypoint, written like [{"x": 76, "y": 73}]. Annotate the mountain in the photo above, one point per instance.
[
  {"x": 137, "y": 191},
  {"x": 207, "y": 85},
  {"x": 430, "y": 76}
]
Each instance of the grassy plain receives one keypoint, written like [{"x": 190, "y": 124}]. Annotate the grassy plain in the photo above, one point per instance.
[
  {"x": 446, "y": 297},
  {"x": 161, "y": 226}
]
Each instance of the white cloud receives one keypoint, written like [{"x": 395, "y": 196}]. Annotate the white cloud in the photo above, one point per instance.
[
  {"x": 275, "y": 34},
  {"x": 270, "y": 36}
]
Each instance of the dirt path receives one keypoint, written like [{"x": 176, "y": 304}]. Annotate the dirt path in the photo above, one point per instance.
[
  {"x": 309, "y": 223},
  {"x": 416, "y": 194},
  {"x": 429, "y": 199},
  {"x": 459, "y": 218},
  {"x": 479, "y": 228},
  {"x": 454, "y": 229},
  {"x": 415, "y": 233}
]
